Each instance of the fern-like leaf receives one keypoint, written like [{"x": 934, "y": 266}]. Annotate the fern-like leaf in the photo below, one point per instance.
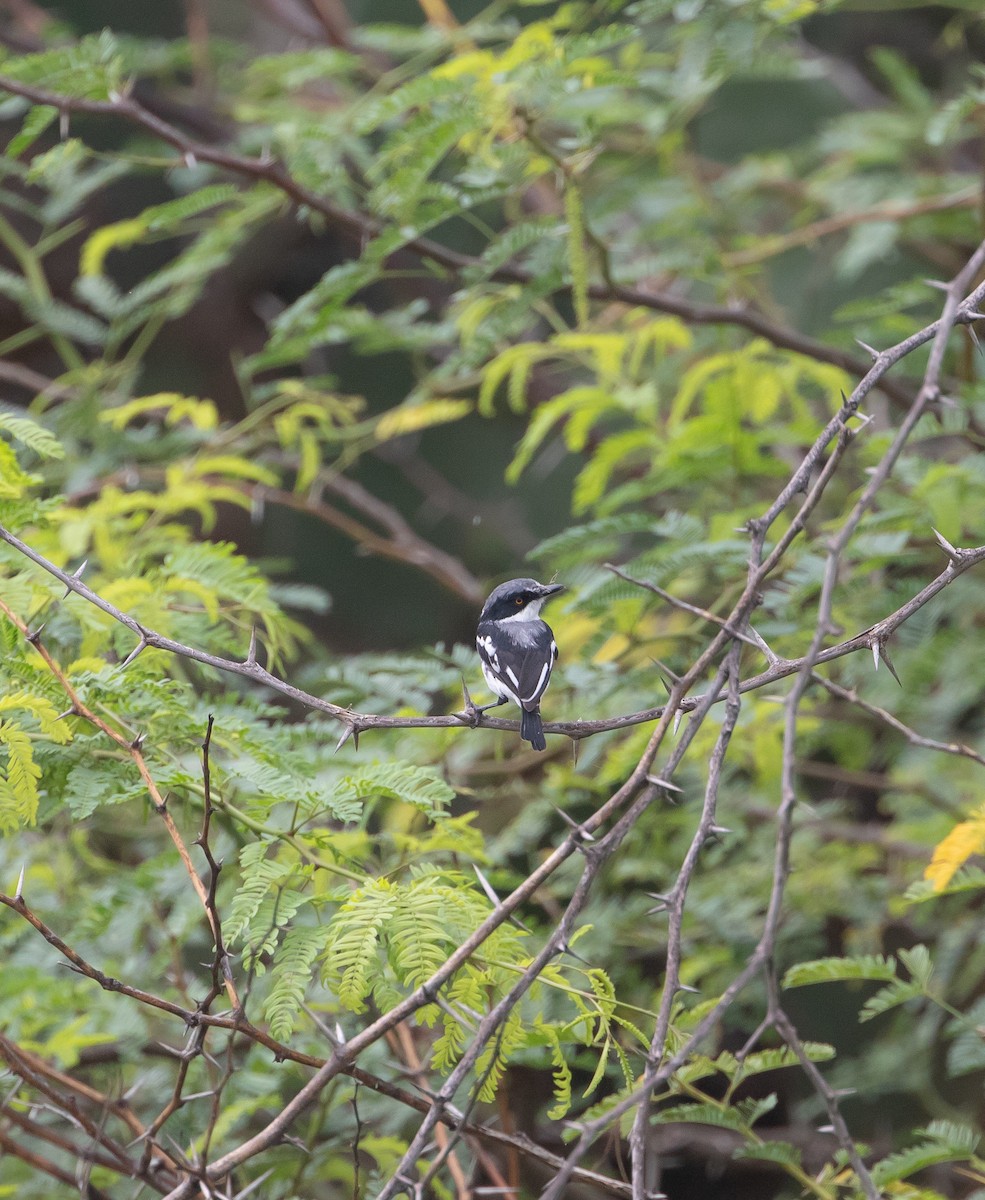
[
  {"x": 418, "y": 935},
  {"x": 738, "y": 1117},
  {"x": 422, "y": 788},
  {"x": 915, "y": 1158},
  {"x": 782, "y": 1153},
  {"x": 355, "y": 938},
  {"x": 260, "y": 875},
  {"x": 29, "y": 433},
  {"x": 835, "y": 970},
  {"x": 290, "y": 976},
  {"x": 19, "y": 780}
]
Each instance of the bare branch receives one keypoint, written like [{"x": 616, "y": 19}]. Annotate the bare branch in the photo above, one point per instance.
[
  {"x": 659, "y": 1072},
  {"x": 644, "y": 1180},
  {"x": 355, "y": 723}
]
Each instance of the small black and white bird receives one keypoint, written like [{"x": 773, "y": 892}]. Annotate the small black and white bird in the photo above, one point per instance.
[{"x": 518, "y": 650}]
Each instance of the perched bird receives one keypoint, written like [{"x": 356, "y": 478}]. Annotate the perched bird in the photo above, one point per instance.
[{"x": 518, "y": 650}]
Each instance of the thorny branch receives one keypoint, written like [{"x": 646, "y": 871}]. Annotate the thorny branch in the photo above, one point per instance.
[
  {"x": 343, "y": 1058},
  {"x": 623, "y": 808},
  {"x": 197, "y": 1019},
  {"x": 644, "y": 1173},
  {"x": 357, "y": 723},
  {"x": 361, "y": 227},
  {"x": 662, "y": 1065}
]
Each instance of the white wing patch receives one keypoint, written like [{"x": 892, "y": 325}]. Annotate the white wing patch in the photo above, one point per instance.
[
  {"x": 486, "y": 647},
  {"x": 497, "y": 686},
  {"x": 512, "y": 675},
  {"x": 540, "y": 683}
]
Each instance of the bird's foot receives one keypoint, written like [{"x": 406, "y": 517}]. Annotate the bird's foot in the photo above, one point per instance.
[{"x": 472, "y": 712}]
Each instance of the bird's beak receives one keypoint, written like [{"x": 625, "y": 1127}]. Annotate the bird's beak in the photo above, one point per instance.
[{"x": 551, "y": 589}]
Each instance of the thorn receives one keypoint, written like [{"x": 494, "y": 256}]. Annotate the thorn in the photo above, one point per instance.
[
  {"x": 889, "y": 666},
  {"x": 34, "y": 637},
  {"x": 865, "y": 418},
  {"x": 719, "y": 830},
  {"x": 346, "y": 734},
  {"x": 951, "y": 551},
  {"x": 138, "y": 649},
  {"x": 19, "y": 890},
  {"x": 339, "y": 1033},
  {"x": 772, "y": 658},
  {"x": 76, "y": 574},
  {"x": 974, "y": 315},
  {"x": 251, "y": 653},
  {"x": 663, "y": 903},
  {"x": 581, "y": 835},
  {"x": 190, "y": 160},
  {"x": 472, "y": 711},
  {"x": 663, "y": 783},
  {"x": 686, "y": 987},
  {"x": 69, "y": 712},
  {"x": 667, "y": 673},
  {"x": 564, "y": 948},
  {"x": 677, "y": 721},
  {"x": 870, "y": 350},
  {"x": 486, "y": 885},
  {"x": 875, "y": 653},
  {"x": 974, "y": 337},
  {"x": 939, "y": 284}
]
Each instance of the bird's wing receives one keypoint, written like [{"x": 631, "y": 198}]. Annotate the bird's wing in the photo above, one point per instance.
[{"x": 522, "y": 664}]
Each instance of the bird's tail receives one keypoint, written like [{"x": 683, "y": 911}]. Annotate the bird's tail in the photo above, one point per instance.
[{"x": 531, "y": 728}]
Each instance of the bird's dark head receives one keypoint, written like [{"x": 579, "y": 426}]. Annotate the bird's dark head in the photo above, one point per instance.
[{"x": 519, "y": 600}]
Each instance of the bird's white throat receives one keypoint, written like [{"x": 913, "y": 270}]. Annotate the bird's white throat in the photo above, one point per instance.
[{"x": 530, "y": 612}]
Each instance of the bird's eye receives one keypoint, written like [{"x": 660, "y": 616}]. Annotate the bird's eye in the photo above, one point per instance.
[{"x": 518, "y": 601}]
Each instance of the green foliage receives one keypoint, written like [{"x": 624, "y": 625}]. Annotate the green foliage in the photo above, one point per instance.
[
  {"x": 898, "y": 991},
  {"x": 944, "y": 1142},
  {"x": 246, "y": 367},
  {"x": 290, "y": 979},
  {"x": 831, "y": 970}
]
